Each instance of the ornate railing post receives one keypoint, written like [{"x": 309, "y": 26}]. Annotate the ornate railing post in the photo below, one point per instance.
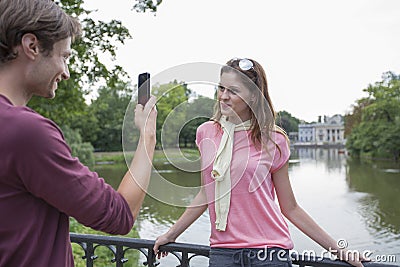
[
  {"x": 89, "y": 254},
  {"x": 185, "y": 259},
  {"x": 119, "y": 256},
  {"x": 151, "y": 257}
]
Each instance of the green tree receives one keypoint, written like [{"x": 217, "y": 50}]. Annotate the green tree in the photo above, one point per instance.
[
  {"x": 144, "y": 5},
  {"x": 109, "y": 109},
  {"x": 171, "y": 111},
  {"x": 287, "y": 121},
  {"x": 198, "y": 111},
  {"x": 82, "y": 150},
  {"x": 376, "y": 120},
  {"x": 354, "y": 118}
]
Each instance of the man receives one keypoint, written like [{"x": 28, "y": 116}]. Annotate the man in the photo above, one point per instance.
[{"x": 41, "y": 184}]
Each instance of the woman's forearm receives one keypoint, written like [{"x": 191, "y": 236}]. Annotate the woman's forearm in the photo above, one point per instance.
[
  {"x": 191, "y": 214},
  {"x": 309, "y": 227}
]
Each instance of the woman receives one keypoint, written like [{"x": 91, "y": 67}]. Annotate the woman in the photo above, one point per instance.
[{"x": 244, "y": 164}]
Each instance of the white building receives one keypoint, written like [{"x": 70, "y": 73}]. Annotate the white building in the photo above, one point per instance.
[{"x": 328, "y": 132}]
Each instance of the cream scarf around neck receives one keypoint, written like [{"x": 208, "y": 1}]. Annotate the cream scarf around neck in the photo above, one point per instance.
[{"x": 221, "y": 170}]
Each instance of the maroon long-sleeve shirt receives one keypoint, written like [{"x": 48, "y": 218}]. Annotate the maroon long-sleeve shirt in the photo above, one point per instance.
[{"x": 41, "y": 185}]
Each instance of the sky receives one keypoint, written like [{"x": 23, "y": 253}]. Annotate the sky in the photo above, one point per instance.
[{"x": 318, "y": 55}]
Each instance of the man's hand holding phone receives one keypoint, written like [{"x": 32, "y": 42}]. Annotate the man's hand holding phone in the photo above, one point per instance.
[
  {"x": 143, "y": 88},
  {"x": 145, "y": 112}
]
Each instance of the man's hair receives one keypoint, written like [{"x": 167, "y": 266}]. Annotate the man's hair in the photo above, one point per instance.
[{"x": 43, "y": 18}]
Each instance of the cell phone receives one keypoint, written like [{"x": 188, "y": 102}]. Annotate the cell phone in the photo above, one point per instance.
[{"x": 143, "y": 88}]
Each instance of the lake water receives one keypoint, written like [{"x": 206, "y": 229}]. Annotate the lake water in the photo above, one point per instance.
[{"x": 354, "y": 201}]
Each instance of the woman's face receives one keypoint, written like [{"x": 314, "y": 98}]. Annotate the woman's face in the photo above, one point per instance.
[{"x": 233, "y": 97}]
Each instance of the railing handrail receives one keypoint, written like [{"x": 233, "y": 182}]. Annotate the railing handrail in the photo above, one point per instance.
[{"x": 119, "y": 245}]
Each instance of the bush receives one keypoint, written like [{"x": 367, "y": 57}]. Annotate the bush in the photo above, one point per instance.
[
  {"x": 81, "y": 150},
  {"x": 104, "y": 254}
]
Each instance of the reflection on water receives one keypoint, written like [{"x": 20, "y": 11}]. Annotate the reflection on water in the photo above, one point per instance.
[
  {"x": 381, "y": 206},
  {"x": 332, "y": 159},
  {"x": 351, "y": 199},
  {"x": 358, "y": 201},
  {"x": 170, "y": 185}
]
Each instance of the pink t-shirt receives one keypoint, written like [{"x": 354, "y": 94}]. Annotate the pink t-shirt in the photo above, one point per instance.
[{"x": 254, "y": 219}]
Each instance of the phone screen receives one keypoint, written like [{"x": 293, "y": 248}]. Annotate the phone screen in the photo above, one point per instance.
[{"x": 143, "y": 88}]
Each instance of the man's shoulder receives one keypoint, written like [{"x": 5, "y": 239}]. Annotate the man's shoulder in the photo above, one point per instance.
[
  {"x": 31, "y": 118},
  {"x": 27, "y": 123}
]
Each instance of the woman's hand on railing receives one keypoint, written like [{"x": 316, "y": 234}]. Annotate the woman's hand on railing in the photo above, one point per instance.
[{"x": 162, "y": 240}]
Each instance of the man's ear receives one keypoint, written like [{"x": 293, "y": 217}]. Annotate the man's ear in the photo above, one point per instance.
[{"x": 30, "y": 45}]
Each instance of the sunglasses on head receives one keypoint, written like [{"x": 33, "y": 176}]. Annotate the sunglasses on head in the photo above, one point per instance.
[{"x": 244, "y": 63}]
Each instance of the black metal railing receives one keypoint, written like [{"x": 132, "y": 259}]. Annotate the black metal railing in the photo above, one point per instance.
[
  {"x": 184, "y": 252},
  {"x": 120, "y": 245}
]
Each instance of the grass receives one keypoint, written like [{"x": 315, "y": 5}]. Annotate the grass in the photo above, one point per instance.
[
  {"x": 159, "y": 155},
  {"x": 115, "y": 157}
]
